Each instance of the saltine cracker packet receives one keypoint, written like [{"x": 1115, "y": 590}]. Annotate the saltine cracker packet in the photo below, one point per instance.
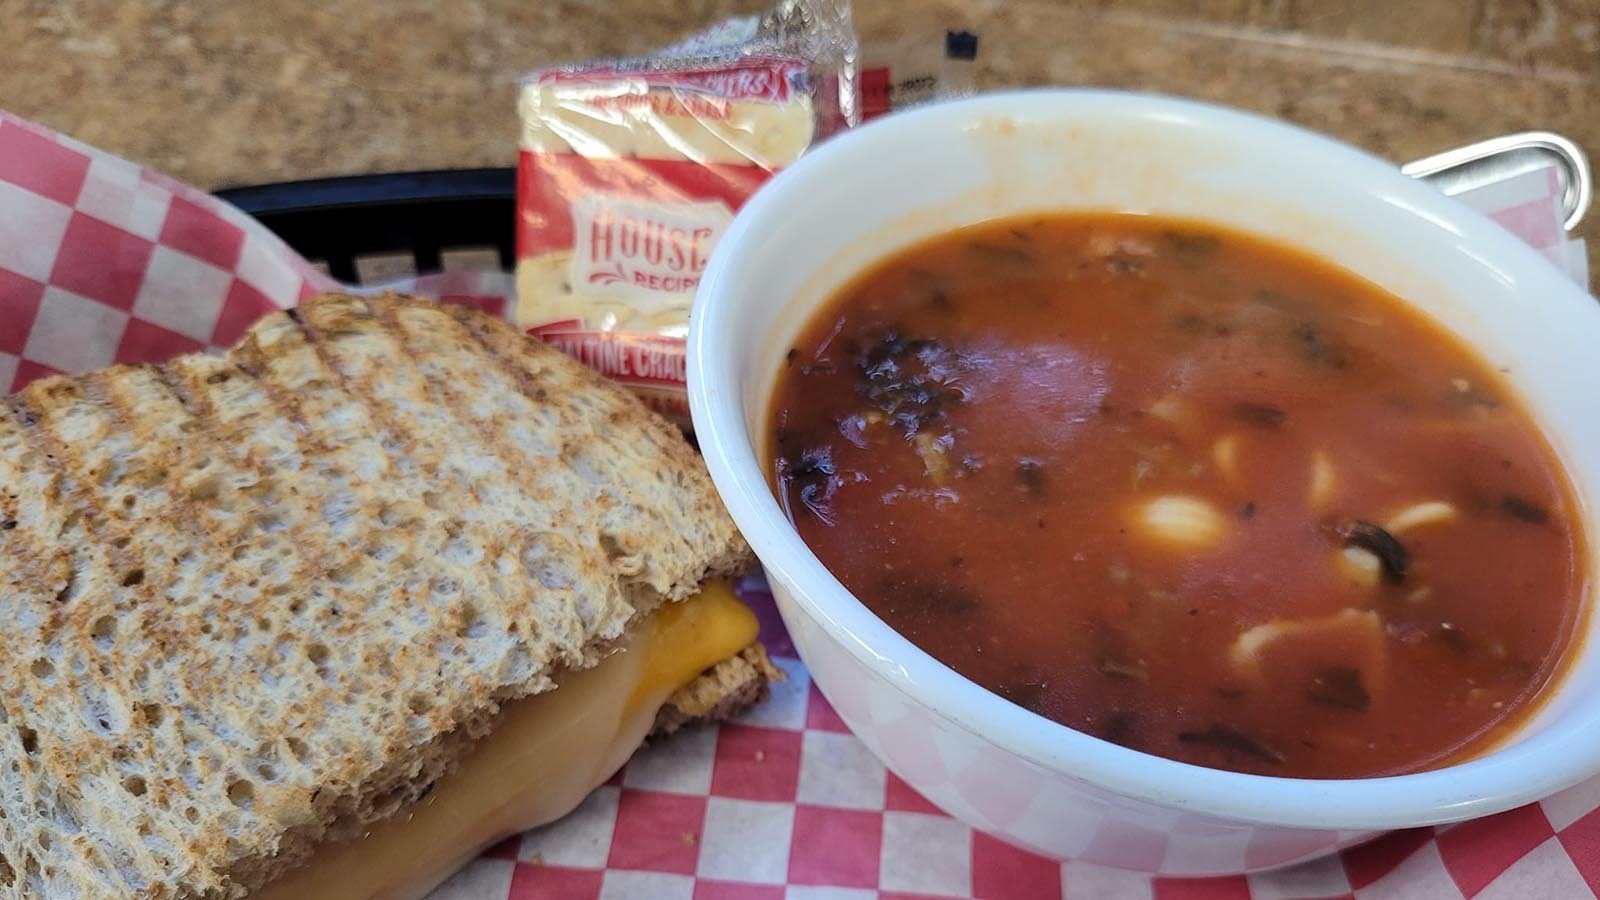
[{"x": 630, "y": 170}]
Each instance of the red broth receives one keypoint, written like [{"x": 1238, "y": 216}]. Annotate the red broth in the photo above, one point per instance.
[{"x": 1188, "y": 491}]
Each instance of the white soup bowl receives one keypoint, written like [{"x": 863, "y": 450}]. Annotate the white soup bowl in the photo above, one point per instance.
[{"x": 996, "y": 766}]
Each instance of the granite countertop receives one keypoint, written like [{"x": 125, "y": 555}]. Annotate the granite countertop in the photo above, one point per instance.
[{"x": 235, "y": 92}]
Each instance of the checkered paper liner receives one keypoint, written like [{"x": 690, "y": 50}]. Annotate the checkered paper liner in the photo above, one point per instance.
[{"x": 104, "y": 262}]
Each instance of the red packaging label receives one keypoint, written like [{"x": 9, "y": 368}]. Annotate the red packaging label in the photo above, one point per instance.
[
  {"x": 636, "y": 359},
  {"x": 638, "y": 231},
  {"x": 550, "y": 184},
  {"x": 875, "y": 99}
]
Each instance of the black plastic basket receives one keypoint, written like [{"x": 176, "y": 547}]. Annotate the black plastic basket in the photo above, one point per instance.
[{"x": 338, "y": 221}]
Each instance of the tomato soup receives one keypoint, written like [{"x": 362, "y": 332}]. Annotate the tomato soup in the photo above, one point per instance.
[{"x": 1187, "y": 491}]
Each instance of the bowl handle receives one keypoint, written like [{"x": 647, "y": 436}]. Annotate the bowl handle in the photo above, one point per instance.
[{"x": 1485, "y": 162}]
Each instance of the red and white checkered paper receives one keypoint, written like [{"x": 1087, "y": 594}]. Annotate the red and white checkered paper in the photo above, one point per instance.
[{"x": 102, "y": 262}]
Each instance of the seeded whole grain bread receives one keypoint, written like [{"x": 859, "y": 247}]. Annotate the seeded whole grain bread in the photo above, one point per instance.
[{"x": 255, "y": 602}]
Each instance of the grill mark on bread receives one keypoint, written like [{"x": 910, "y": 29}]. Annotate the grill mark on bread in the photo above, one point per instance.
[
  {"x": 415, "y": 433},
  {"x": 484, "y": 539},
  {"x": 172, "y": 422},
  {"x": 301, "y": 533},
  {"x": 132, "y": 621},
  {"x": 63, "y": 489},
  {"x": 380, "y": 412},
  {"x": 494, "y": 344},
  {"x": 31, "y": 586},
  {"x": 75, "y": 479},
  {"x": 375, "y": 355},
  {"x": 518, "y": 375},
  {"x": 349, "y": 819},
  {"x": 39, "y": 559},
  {"x": 196, "y": 731},
  {"x": 309, "y": 562},
  {"x": 133, "y": 601},
  {"x": 44, "y": 562},
  {"x": 497, "y": 343},
  {"x": 519, "y": 468},
  {"x": 216, "y": 427},
  {"x": 522, "y": 380},
  {"x": 75, "y": 609},
  {"x": 194, "y": 413},
  {"x": 253, "y": 362},
  {"x": 197, "y": 412},
  {"x": 360, "y": 391},
  {"x": 315, "y": 547},
  {"x": 174, "y": 455},
  {"x": 622, "y": 411},
  {"x": 118, "y": 522},
  {"x": 450, "y": 400},
  {"x": 166, "y": 452},
  {"x": 531, "y": 472},
  {"x": 505, "y": 345},
  {"x": 324, "y": 325},
  {"x": 196, "y": 407}
]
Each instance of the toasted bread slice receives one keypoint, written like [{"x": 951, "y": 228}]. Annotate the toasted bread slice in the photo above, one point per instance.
[
  {"x": 720, "y": 692},
  {"x": 256, "y": 600}
]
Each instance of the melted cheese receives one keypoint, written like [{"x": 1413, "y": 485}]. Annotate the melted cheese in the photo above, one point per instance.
[{"x": 546, "y": 753}]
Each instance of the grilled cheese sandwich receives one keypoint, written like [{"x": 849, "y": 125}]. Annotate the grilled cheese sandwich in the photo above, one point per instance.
[{"x": 325, "y": 614}]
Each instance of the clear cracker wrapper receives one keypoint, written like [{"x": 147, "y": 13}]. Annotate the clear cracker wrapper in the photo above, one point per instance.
[
  {"x": 916, "y": 69},
  {"x": 630, "y": 170}
]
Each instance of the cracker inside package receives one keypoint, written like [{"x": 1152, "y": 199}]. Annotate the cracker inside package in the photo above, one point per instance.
[{"x": 630, "y": 170}]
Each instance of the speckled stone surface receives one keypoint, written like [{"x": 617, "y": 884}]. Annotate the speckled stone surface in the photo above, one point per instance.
[{"x": 235, "y": 92}]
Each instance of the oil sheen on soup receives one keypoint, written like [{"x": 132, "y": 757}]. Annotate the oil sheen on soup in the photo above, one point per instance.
[{"x": 1190, "y": 492}]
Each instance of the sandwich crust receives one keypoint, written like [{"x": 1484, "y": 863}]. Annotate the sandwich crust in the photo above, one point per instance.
[
  {"x": 257, "y": 601},
  {"x": 719, "y": 692}
]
